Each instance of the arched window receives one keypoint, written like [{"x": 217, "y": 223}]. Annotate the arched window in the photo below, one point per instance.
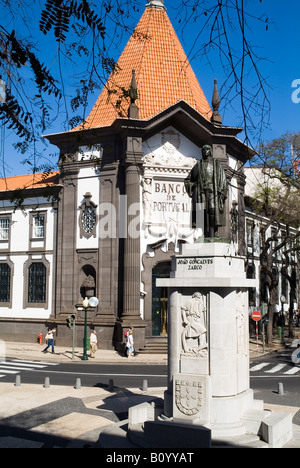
[
  {"x": 4, "y": 282},
  {"x": 37, "y": 281}
]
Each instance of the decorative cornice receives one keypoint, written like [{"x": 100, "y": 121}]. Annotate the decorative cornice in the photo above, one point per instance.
[{"x": 156, "y": 4}]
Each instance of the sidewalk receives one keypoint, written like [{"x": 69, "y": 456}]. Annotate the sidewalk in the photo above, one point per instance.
[
  {"x": 33, "y": 351},
  {"x": 29, "y": 414}
]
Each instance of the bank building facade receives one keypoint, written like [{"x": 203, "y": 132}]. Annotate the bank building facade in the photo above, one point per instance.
[{"x": 121, "y": 210}]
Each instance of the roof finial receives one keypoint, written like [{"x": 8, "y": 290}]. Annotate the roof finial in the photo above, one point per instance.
[
  {"x": 156, "y": 4},
  {"x": 133, "y": 111},
  {"x": 216, "y": 118}
]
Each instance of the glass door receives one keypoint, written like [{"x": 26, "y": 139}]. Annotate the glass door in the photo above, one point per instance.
[{"x": 160, "y": 300}]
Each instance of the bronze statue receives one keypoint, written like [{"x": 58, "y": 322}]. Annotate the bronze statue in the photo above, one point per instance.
[{"x": 207, "y": 184}]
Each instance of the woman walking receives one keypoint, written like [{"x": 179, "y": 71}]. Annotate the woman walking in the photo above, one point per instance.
[{"x": 50, "y": 338}]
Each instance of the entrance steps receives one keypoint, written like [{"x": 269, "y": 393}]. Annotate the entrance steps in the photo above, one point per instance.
[{"x": 155, "y": 345}]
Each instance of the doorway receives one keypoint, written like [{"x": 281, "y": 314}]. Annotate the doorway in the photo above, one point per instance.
[{"x": 160, "y": 300}]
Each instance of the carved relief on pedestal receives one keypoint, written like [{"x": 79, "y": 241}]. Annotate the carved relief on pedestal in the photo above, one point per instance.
[{"x": 194, "y": 326}]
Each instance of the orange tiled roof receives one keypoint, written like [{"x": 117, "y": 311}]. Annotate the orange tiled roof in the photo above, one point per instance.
[
  {"x": 28, "y": 181},
  {"x": 163, "y": 74}
]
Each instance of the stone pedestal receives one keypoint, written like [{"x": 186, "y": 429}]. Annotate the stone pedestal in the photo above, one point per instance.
[
  {"x": 208, "y": 359},
  {"x": 208, "y": 355}
]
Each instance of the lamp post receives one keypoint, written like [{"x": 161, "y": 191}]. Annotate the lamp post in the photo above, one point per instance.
[
  {"x": 283, "y": 301},
  {"x": 85, "y": 304}
]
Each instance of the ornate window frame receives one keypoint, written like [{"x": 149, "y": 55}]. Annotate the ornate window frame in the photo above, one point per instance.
[
  {"x": 37, "y": 242},
  {"x": 10, "y": 265},
  {"x": 5, "y": 243},
  {"x": 27, "y": 265},
  {"x": 87, "y": 207}
]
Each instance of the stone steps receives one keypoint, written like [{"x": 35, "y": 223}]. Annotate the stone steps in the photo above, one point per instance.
[{"x": 155, "y": 345}]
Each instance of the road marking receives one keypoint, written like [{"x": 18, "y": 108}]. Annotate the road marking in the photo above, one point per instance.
[
  {"x": 259, "y": 366},
  {"x": 9, "y": 371},
  {"x": 276, "y": 369},
  {"x": 16, "y": 366},
  {"x": 36, "y": 362},
  {"x": 22, "y": 365},
  {"x": 292, "y": 371}
]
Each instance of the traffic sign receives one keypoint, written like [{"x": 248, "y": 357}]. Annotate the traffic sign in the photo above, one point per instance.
[{"x": 256, "y": 316}]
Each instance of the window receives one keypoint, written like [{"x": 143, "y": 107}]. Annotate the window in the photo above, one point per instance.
[
  {"x": 37, "y": 283},
  {"x": 38, "y": 227},
  {"x": 4, "y": 229},
  {"x": 4, "y": 282},
  {"x": 88, "y": 217},
  {"x": 249, "y": 233}
]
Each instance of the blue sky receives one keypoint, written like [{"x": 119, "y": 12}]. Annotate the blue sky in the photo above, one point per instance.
[{"x": 279, "y": 45}]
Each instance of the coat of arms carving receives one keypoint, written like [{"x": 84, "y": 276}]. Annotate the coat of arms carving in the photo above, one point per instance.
[{"x": 189, "y": 396}]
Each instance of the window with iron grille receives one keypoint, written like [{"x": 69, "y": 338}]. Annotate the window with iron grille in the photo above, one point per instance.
[
  {"x": 37, "y": 283},
  {"x": 4, "y": 229},
  {"x": 4, "y": 282}
]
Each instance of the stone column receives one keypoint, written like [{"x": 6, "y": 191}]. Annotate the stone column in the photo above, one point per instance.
[{"x": 132, "y": 250}]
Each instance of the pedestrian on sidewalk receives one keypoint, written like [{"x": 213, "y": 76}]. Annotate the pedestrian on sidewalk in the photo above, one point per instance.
[
  {"x": 93, "y": 343},
  {"x": 50, "y": 338},
  {"x": 130, "y": 343}
]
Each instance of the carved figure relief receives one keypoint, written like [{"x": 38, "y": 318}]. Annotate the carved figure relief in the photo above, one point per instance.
[
  {"x": 194, "y": 326},
  {"x": 147, "y": 199}
]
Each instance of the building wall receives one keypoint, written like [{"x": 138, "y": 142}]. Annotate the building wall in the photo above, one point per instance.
[
  {"x": 123, "y": 168},
  {"x": 21, "y": 252}
]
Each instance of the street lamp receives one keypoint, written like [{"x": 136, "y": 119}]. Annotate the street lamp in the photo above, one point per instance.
[
  {"x": 92, "y": 302},
  {"x": 283, "y": 301},
  {"x": 85, "y": 304}
]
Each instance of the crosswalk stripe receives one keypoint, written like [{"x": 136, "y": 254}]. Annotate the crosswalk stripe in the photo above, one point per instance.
[
  {"x": 293, "y": 371},
  {"x": 23, "y": 365},
  {"x": 7, "y": 371},
  {"x": 276, "y": 368},
  {"x": 259, "y": 366},
  {"x": 4, "y": 366},
  {"x": 35, "y": 362},
  {"x": 16, "y": 366}
]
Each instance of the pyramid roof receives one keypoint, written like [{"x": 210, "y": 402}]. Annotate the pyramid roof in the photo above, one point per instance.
[{"x": 163, "y": 74}]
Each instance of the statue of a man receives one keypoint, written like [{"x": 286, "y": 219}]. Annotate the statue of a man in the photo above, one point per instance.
[{"x": 207, "y": 184}]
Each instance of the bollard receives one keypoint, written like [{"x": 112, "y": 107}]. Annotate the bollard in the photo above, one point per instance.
[
  {"x": 18, "y": 381},
  {"x": 47, "y": 382},
  {"x": 145, "y": 385},
  {"x": 280, "y": 389},
  {"x": 78, "y": 384},
  {"x": 110, "y": 385}
]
